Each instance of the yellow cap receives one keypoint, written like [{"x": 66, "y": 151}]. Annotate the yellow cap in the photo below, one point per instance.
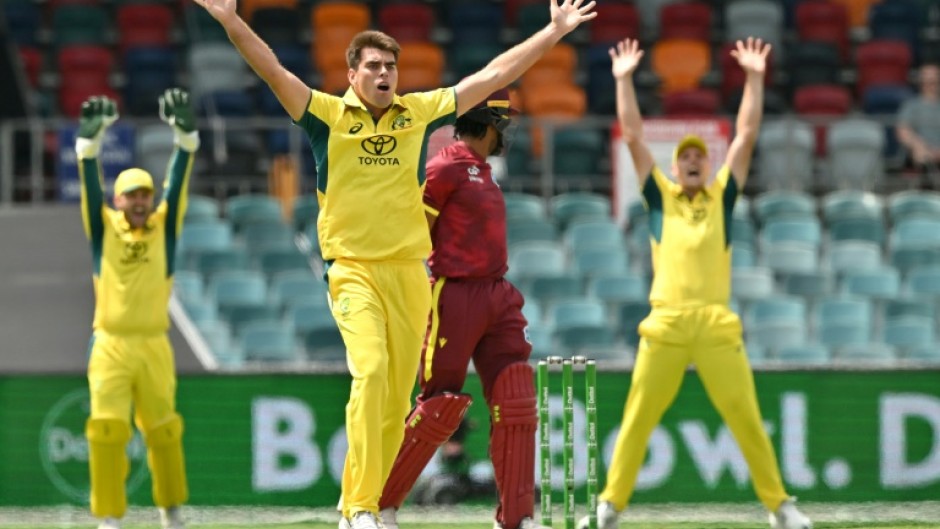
[
  {"x": 132, "y": 179},
  {"x": 689, "y": 140}
]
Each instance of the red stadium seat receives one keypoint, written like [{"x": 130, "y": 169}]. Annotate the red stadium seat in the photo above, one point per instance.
[
  {"x": 411, "y": 21},
  {"x": 70, "y": 100},
  {"x": 822, "y": 101},
  {"x": 85, "y": 60},
  {"x": 686, "y": 20},
  {"x": 143, "y": 25},
  {"x": 882, "y": 62},
  {"x": 511, "y": 9},
  {"x": 32, "y": 64},
  {"x": 824, "y": 21},
  {"x": 691, "y": 103},
  {"x": 614, "y": 22}
]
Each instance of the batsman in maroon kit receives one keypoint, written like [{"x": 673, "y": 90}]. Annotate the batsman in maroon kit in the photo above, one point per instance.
[{"x": 475, "y": 314}]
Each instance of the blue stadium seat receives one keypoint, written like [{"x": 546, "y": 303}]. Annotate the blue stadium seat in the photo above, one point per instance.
[
  {"x": 790, "y": 257},
  {"x": 601, "y": 259},
  {"x": 24, "y": 20},
  {"x": 305, "y": 212},
  {"x": 810, "y": 285},
  {"x": 802, "y": 230},
  {"x": 582, "y": 234},
  {"x": 210, "y": 262},
  {"x": 269, "y": 342},
  {"x": 750, "y": 283},
  {"x": 523, "y": 206},
  {"x": 917, "y": 231},
  {"x": 908, "y": 332},
  {"x": 846, "y": 256},
  {"x": 843, "y": 321},
  {"x": 927, "y": 354},
  {"x": 583, "y": 206},
  {"x": 149, "y": 72},
  {"x": 545, "y": 290},
  {"x": 205, "y": 236},
  {"x": 906, "y": 204},
  {"x": 238, "y": 287},
  {"x": 263, "y": 235},
  {"x": 781, "y": 204},
  {"x": 897, "y": 20},
  {"x": 909, "y": 306},
  {"x": 851, "y": 204},
  {"x": 776, "y": 322},
  {"x": 601, "y": 85},
  {"x": 858, "y": 229},
  {"x": 295, "y": 286},
  {"x": 523, "y": 230},
  {"x": 310, "y": 314},
  {"x": 743, "y": 256},
  {"x": 277, "y": 25},
  {"x": 188, "y": 285},
  {"x": 856, "y": 153},
  {"x": 536, "y": 259},
  {"x": 541, "y": 337},
  {"x": 200, "y": 208},
  {"x": 814, "y": 354},
  {"x": 278, "y": 260},
  {"x": 880, "y": 283},
  {"x": 577, "y": 152},
  {"x": 242, "y": 209},
  {"x": 924, "y": 281},
  {"x": 618, "y": 288}
]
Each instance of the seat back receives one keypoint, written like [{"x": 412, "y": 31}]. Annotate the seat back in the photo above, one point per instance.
[{"x": 680, "y": 63}]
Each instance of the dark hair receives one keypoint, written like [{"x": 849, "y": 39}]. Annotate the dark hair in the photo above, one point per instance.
[
  {"x": 370, "y": 39},
  {"x": 465, "y": 127}
]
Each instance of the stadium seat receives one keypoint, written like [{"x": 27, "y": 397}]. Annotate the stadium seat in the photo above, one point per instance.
[
  {"x": 277, "y": 26},
  {"x": 355, "y": 15},
  {"x": 923, "y": 354},
  {"x": 147, "y": 25},
  {"x": 908, "y": 332},
  {"x": 841, "y": 322},
  {"x": 850, "y": 204},
  {"x": 897, "y": 20},
  {"x": 474, "y": 25},
  {"x": 325, "y": 344},
  {"x": 304, "y": 212},
  {"x": 916, "y": 231},
  {"x": 149, "y": 72},
  {"x": 858, "y": 229},
  {"x": 154, "y": 148},
  {"x": 278, "y": 260},
  {"x": 776, "y": 322},
  {"x": 686, "y": 20},
  {"x": 782, "y": 204},
  {"x": 631, "y": 314},
  {"x": 469, "y": 57},
  {"x": 924, "y": 282},
  {"x": 616, "y": 289},
  {"x": 23, "y": 20},
  {"x": 903, "y": 307},
  {"x": 269, "y": 342},
  {"x": 542, "y": 339},
  {"x": 906, "y": 204},
  {"x": 248, "y": 7},
  {"x": 558, "y": 65},
  {"x": 824, "y": 21},
  {"x": 755, "y": 18},
  {"x": 649, "y": 11},
  {"x": 856, "y": 153},
  {"x": 218, "y": 336},
  {"x": 581, "y": 234},
  {"x": 881, "y": 62},
  {"x": 567, "y": 207},
  {"x": 846, "y": 256},
  {"x": 310, "y": 314},
  {"x": 680, "y": 64},
  {"x": 565, "y": 100},
  {"x": 857, "y": 11},
  {"x": 615, "y": 21},
  {"x": 200, "y": 208},
  {"x": 216, "y": 66},
  {"x": 521, "y": 206},
  {"x": 205, "y": 235},
  {"x": 810, "y": 285},
  {"x": 696, "y": 102},
  {"x": 879, "y": 283},
  {"x": 527, "y": 230},
  {"x": 407, "y": 21},
  {"x": 581, "y": 312},
  {"x": 201, "y": 27},
  {"x": 601, "y": 85},
  {"x": 546, "y": 290},
  {"x": 601, "y": 259},
  {"x": 785, "y": 155},
  {"x": 742, "y": 256},
  {"x": 864, "y": 353},
  {"x": 243, "y": 209},
  {"x": 577, "y": 154},
  {"x": 790, "y": 257},
  {"x": 822, "y": 102},
  {"x": 74, "y": 24},
  {"x": 751, "y": 282},
  {"x": 531, "y": 17},
  {"x": 532, "y": 259},
  {"x": 907, "y": 256},
  {"x": 266, "y": 233},
  {"x": 238, "y": 288},
  {"x": 32, "y": 60},
  {"x": 805, "y": 230},
  {"x": 420, "y": 65},
  {"x": 742, "y": 231},
  {"x": 814, "y": 63},
  {"x": 814, "y": 354}
]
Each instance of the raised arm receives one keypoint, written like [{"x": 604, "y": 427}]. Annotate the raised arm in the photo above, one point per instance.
[
  {"x": 625, "y": 58},
  {"x": 292, "y": 92},
  {"x": 512, "y": 63},
  {"x": 752, "y": 57},
  {"x": 97, "y": 114},
  {"x": 176, "y": 111}
]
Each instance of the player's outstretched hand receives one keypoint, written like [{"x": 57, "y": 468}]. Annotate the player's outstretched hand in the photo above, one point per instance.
[
  {"x": 219, "y": 9},
  {"x": 752, "y": 55},
  {"x": 567, "y": 15},
  {"x": 176, "y": 110},
  {"x": 97, "y": 114},
  {"x": 625, "y": 58}
]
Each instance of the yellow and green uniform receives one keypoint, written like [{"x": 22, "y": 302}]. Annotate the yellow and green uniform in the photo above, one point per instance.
[
  {"x": 131, "y": 360},
  {"x": 691, "y": 323},
  {"x": 374, "y": 237}
]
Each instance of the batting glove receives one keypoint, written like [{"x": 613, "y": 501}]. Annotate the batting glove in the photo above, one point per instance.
[
  {"x": 97, "y": 114},
  {"x": 178, "y": 113}
]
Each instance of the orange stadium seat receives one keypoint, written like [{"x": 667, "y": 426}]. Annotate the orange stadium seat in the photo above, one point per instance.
[
  {"x": 407, "y": 21},
  {"x": 564, "y": 101},
  {"x": 143, "y": 25},
  {"x": 824, "y": 21},
  {"x": 248, "y": 7},
  {"x": 686, "y": 20},
  {"x": 680, "y": 63},
  {"x": 420, "y": 66},
  {"x": 558, "y": 65},
  {"x": 882, "y": 62},
  {"x": 614, "y": 22},
  {"x": 340, "y": 14},
  {"x": 334, "y": 82},
  {"x": 857, "y": 11},
  {"x": 329, "y": 47}
]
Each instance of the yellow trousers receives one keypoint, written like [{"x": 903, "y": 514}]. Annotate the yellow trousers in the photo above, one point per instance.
[
  {"x": 671, "y": 339},
  {"x": 382, "y": 310}
]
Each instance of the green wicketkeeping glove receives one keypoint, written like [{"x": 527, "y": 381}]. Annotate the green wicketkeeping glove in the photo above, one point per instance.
[
  {"x": 97, "y": 114},
  {"x": 178, "y": 113}
]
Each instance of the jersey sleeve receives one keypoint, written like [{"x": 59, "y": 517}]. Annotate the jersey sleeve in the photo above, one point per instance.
[
  {"x": 322, "y": 110},
  {"x": 175, "y": 196},
  {"x": 92, "y": 204},
  {"x": 436, "y": 108}
]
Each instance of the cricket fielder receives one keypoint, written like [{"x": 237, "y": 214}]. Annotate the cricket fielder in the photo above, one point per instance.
[{"x": 133, "y": 247}]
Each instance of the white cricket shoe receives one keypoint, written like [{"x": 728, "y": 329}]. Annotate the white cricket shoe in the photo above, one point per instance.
[
  {"x": 363, "y": 520},
  {"x": 607, "y": 517},
  {"x": 110, "y": 523},
  {"x": 389, "y": 518},
  {"x": 787, "y": 516},
  {"x": 526, "y": 523},
  {"x": 171, "y": 518}
]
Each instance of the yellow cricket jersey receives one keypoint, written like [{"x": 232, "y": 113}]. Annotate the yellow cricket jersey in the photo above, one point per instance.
[
  {"x": 691, "y": 240},
  {"x": 133, "y": 269},
  {"x": 370, "y": 175}
]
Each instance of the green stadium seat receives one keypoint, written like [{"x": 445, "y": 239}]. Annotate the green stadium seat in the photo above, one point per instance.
[
  {"x": 548, "y": 289},
  {"x": 521, "y": 230},
  {"x": 577, "y": 152},
  {"x": 80, "y": 24},
  {"x": 270, "y": 233},
  {"x": 533, "y": 259},
  {"x": 281, "y": 260},
  {"x": 857, "y": 229},
  {"x": 776, "y": 322},
  {"x": 209, "y": 263},
  {"x": 325, "y": 344},
  {"x": 542, "y": 339},
  {"x": 924, "y": 281},
  {"x": 879, "y": 283},
  {"x": 582, "y": 234},
  {"x": 906, "y": 204},
  {"x": 297, "y": 286},
  {"x": 803, "y": 230},
  {"x": 809, "y": 285},
  {"x": 583, "y": 206},
  {"x": 618, "y": 288},
  {"x": 843, "y": 321},
  {"x": 523, "y": 206},
  {"x": 851, "y": 204},
  {"x": 206, "y": 235},
  {"x": 782, "y": 204},
  {"x": 790, "y": 257},
  {"x": 631, "y": 314},
  {"x": 845, "y": 256},
  {"x": 601, "y": 259},
  {"x": 269, "y": 342},
  {"x": 751, "y": 283},
  {"x": 238, "y": 287},
  {"x": 908, "y": 332},
  {"x": 244, "y": 209},
  {"x": 201, "y": 208}
]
